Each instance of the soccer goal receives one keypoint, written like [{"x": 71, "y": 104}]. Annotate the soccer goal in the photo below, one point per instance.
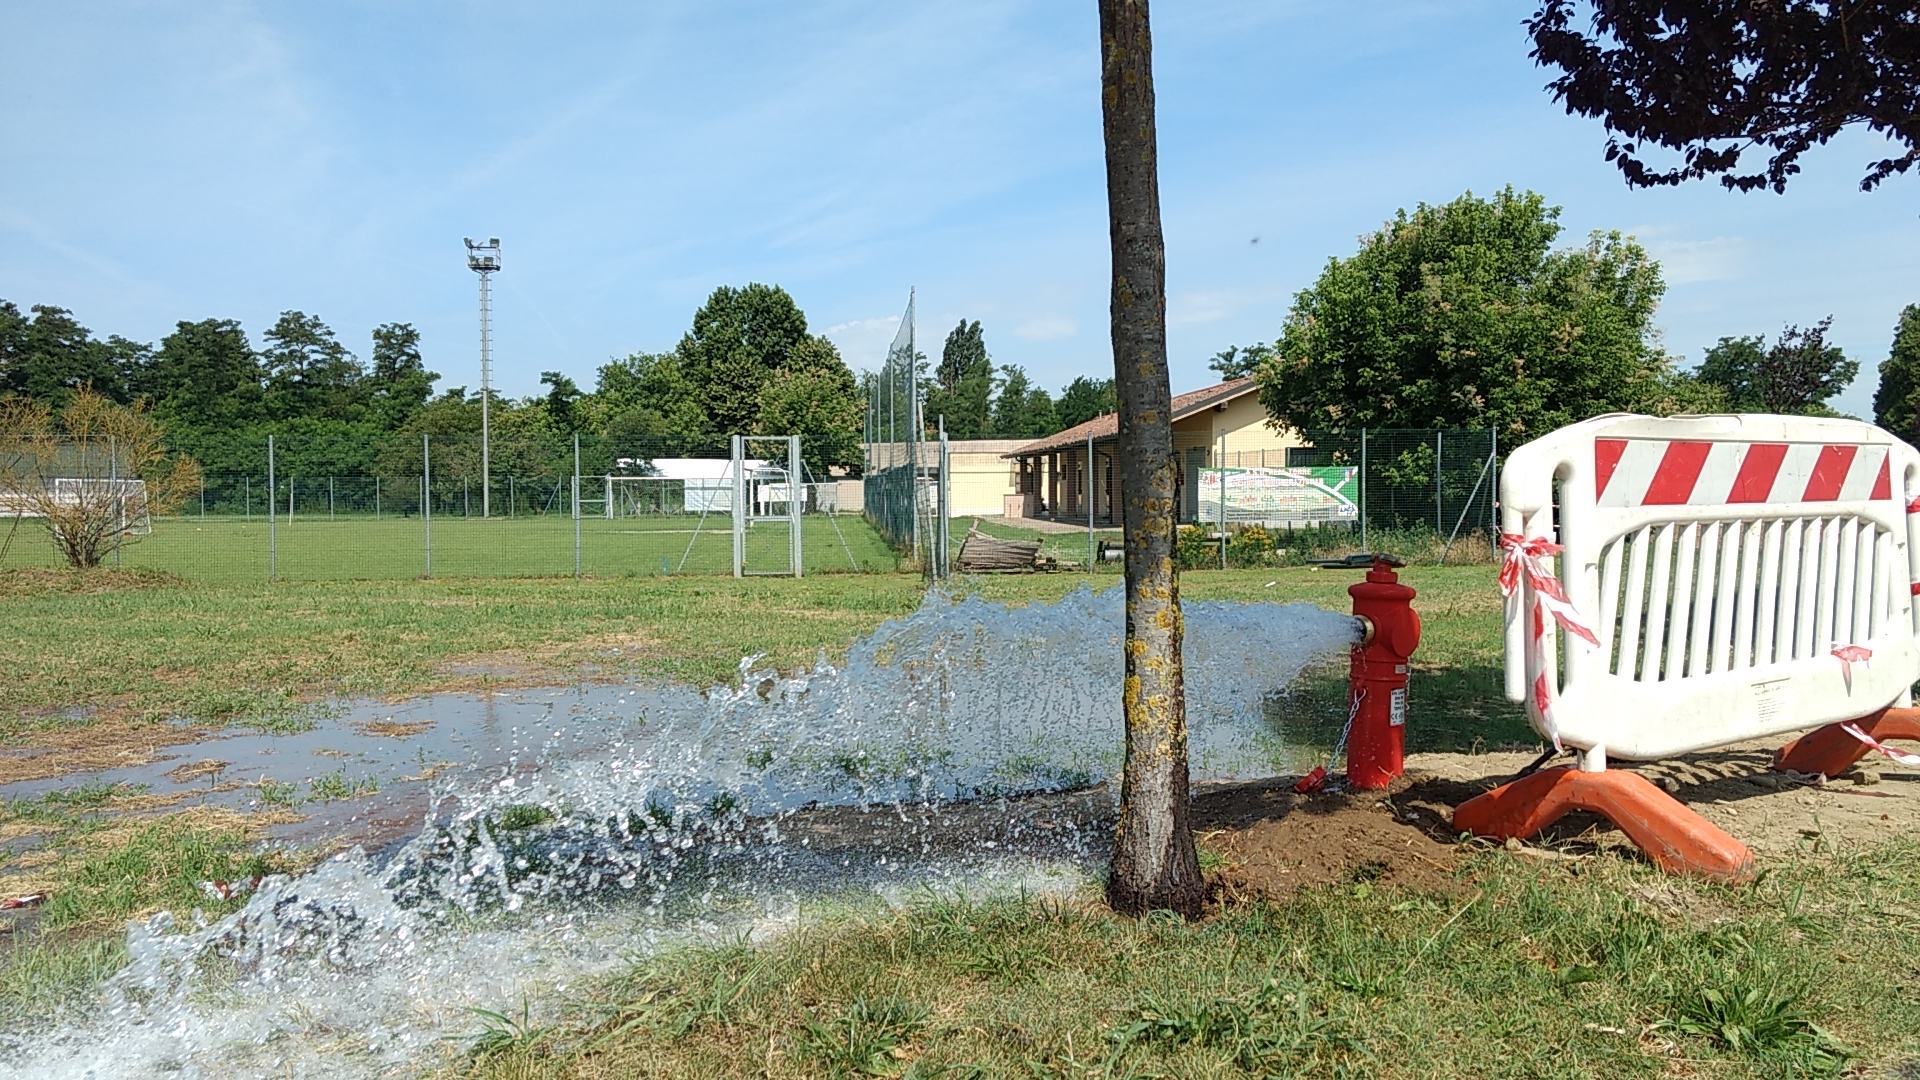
[{"x": 124, "y": 502}]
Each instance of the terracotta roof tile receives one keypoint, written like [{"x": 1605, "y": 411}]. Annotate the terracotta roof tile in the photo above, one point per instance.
[{"x": 1108, "y": 426}]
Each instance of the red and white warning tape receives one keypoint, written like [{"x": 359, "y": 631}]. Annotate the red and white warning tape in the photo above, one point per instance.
[
  {"x": 1850, "y": 655},
  {"x": 1529, "y": 558},
  {"x": 1900, "y": 756}
]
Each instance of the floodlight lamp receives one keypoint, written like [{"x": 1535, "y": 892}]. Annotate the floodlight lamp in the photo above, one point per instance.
[{"x": 483, "y": 258}]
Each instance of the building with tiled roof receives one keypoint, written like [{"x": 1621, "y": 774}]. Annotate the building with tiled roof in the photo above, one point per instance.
[{"x": 1223, "y": 424}]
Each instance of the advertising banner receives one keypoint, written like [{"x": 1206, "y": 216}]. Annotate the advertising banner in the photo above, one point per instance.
[{"x": 1277, "y": 496}]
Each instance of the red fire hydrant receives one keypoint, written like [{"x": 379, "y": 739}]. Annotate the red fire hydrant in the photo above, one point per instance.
[{"x": 1377, "y": 682}]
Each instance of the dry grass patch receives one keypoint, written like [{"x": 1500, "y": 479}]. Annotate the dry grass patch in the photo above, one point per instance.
[{"x": 110, "y": 742}]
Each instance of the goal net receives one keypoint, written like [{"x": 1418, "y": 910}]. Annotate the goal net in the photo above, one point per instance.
[{"x": 123, "y": 502}]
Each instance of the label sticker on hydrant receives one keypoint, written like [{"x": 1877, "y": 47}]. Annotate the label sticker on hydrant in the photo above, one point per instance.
[{"x": 1398, "y": 716}]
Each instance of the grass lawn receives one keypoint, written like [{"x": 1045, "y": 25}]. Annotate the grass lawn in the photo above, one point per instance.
[
  {"x": 130, "y": 646},
  {"x": 1526, "y": 970},
  {"x": 316, "y": 547},
  {"x": 1523, "y": 968}
]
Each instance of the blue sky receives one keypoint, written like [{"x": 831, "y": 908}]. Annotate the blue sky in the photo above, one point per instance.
[{"x": 175, "y": 160}]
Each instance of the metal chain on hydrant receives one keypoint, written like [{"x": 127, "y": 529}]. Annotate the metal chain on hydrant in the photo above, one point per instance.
[{"x": 1317, "y": 779}]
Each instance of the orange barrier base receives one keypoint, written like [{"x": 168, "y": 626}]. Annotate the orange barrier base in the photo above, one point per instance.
[
  {"x": 1678, "y": 840},
  {"x": 1830, "y": 751}
]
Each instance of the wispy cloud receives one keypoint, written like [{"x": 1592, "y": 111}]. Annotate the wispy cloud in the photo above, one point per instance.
[
  {"x": 1046, "y": 328},
  {"x": 863, "y": 342},
  {"x": 1685, "y": 261}
]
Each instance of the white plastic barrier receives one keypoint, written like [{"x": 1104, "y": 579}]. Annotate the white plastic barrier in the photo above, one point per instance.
[{"x": 1745, "y": 576}]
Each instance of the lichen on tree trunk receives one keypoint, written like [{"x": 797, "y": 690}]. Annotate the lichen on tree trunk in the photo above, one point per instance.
[{"x": 1154, "y": 865}]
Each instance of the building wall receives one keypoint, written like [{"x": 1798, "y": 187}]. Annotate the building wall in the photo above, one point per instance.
[
  {"x": 1244, "y": 422},
  {"x": 980, "y": 478}
]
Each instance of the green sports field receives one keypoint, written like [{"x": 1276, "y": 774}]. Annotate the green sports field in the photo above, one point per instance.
[{"x": 351, "y": 547}]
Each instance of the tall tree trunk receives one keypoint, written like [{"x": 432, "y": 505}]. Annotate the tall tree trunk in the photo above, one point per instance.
[{"x": 1155, "y": 866}]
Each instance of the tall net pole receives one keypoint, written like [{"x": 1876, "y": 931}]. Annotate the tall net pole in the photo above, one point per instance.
[{"x": 898, "y": 474}]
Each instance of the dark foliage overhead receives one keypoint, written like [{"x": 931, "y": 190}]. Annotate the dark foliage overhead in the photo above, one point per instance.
[{"x": 1713, "y": 79}]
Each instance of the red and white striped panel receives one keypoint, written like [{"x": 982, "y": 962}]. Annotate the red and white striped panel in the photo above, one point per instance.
[{"x": 1685, "y": 472}]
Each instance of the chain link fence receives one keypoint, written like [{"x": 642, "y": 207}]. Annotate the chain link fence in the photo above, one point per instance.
[
  {"x": 314, "y": 508},
  {"x": 1428, "y": 494},
  {"x": 320, "y": 507}
]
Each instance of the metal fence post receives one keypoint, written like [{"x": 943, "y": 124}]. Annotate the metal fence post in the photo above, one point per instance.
[
  {"x": 376, "y": 497},
  {"x": 1492, "y": 492},
  {"x": 113, "y": 491},
  {"x": 576, "y": 504},
  {"x": 426, "y": 497},
  {"x": 1439, "y": 515},
  {"x": 273, "y": 514},
  {"x": 1363, "y": 490},
  {"x": 740, "y": 508},
  {"x": 1090, "y": 551},
  {"x": 1222, "y": 474},
  {"x": 796, "y": 495}
]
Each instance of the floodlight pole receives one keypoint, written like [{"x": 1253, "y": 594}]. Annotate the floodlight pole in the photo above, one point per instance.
[{"x": 484, "y": 259}]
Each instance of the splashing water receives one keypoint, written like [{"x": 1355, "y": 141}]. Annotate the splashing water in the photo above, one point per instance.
[{"x": 958, "y": 749}]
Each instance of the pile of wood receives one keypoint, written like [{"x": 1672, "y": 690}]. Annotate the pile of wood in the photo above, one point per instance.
[{"x": 980, "y": 553}]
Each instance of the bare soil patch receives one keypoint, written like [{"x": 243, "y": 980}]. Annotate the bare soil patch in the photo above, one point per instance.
[
  {"x": 1735, "y": 788},
  {"x": 1275, "y": 842}
]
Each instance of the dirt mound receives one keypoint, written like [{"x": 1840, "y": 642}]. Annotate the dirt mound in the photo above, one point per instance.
[{"x": 1274, "y": 842}]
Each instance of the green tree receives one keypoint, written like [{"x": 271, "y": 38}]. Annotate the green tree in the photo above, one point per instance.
[
  {"x": 962, "y": 389},
  {"x": 13, "y": 348},
  {"x": 562, "y": 393},
  {"x": 452, "y": 420},
  {"x": 814, "y": 395},
  {"x": 1896, "y": 404},
  {"x": 1023, "y": 410},
  {"x": 648, "y": 408},
  {"x": 1082, "y": 400},
  {"x": 1796, "y": 375},
  {"x": 309, "y": 373},
  {"x": 1234, "y": 362},
  {"x": 1733, "y": 365},
  {"x": 740, "y": 337},
  {"x": 1464, "y": 315},
  {"x": 399, "y": 383},
  {"x": 50, "y": 355}
]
